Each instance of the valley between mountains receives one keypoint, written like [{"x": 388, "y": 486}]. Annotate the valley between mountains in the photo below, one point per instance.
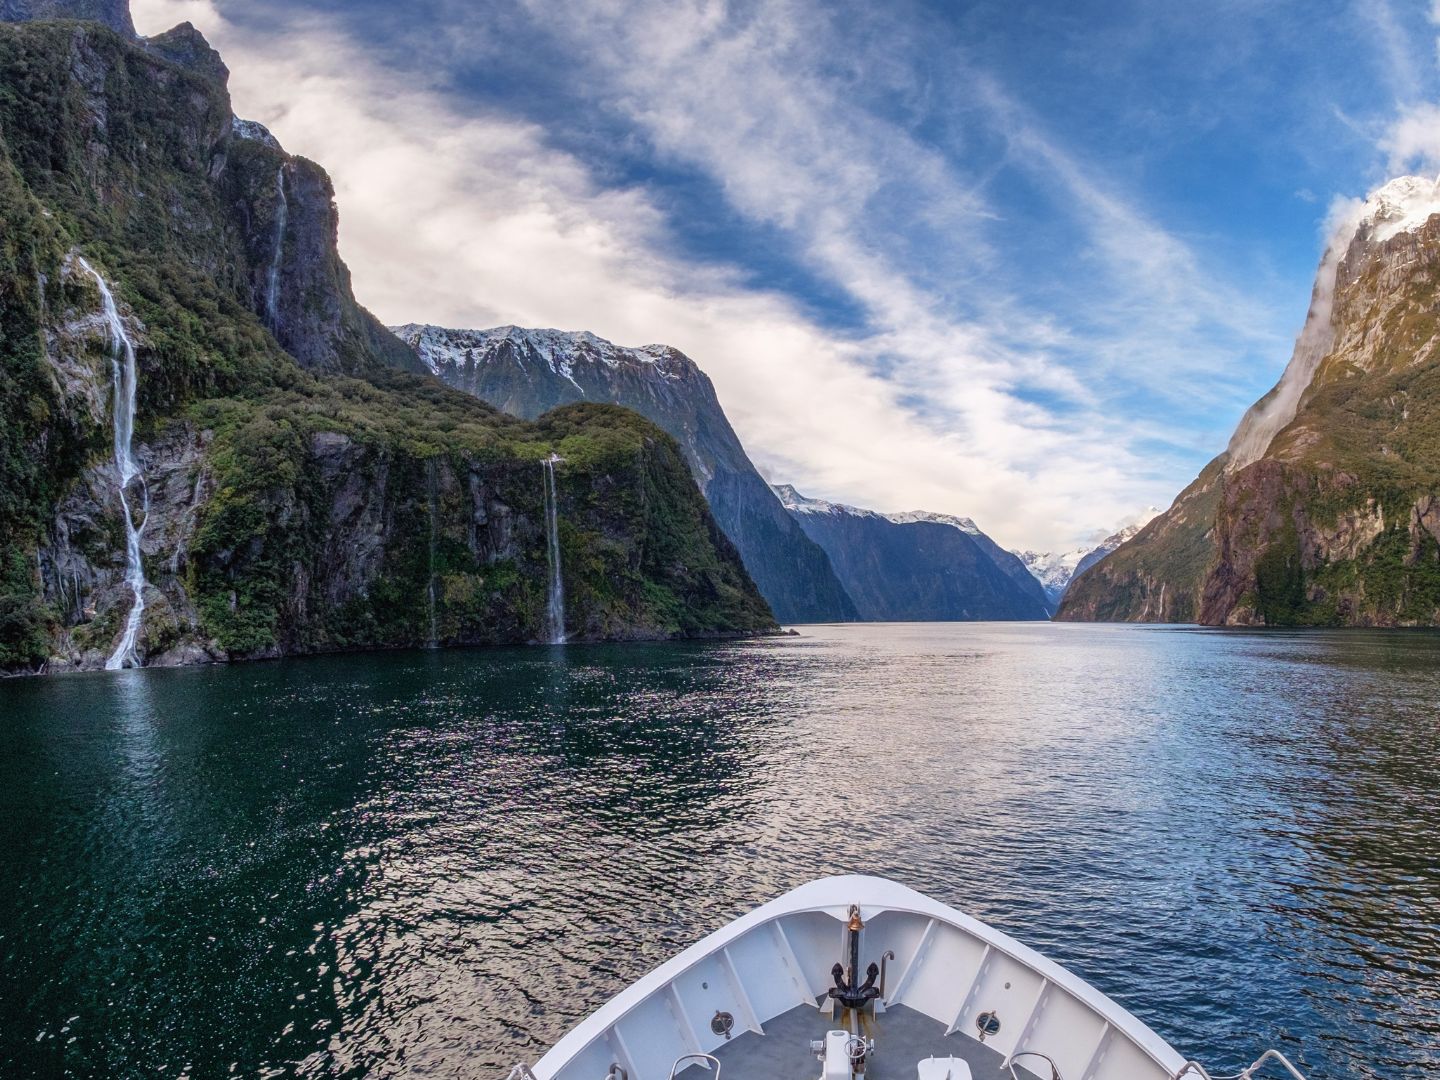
[{"x": 210, "y": 450}]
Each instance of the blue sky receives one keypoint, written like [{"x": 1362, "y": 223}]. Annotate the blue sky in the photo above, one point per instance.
[{"x": 1028, "y": 262}]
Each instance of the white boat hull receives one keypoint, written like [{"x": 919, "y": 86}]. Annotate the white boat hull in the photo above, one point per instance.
[{"x": 946, "y": 966}]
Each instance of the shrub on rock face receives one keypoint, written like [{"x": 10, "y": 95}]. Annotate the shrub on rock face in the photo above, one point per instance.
[{"x": 308, "y": 490}]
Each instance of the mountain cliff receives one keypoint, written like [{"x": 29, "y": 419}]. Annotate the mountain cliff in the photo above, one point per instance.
[
  {"x": 1055, "y": 570},
  {"x": 526, "y": 372},
  {"x": 112, "y": 13},
  {"x": 915, "y": 567},
  {"x": 209, "y": 447},
  {"x": 1323, "y": 508},
  {"x": 1010, "y": 564}
]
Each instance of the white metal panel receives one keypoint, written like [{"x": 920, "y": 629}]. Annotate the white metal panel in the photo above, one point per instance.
[
  {"x": 816, "y": 939},
  {"x": 1010, "y": 990},
  {"x": 910, "y": 963},
  {"x": 1123, "y": 1060},
  {"x": 705, "y": 990},
  {"x": 773, "y": 988},
  {"x": 592, "y": 1063},
  {"x": 942, "y": 973},
  {"x": 1067, "y": 1030},
  {"x": 652, "y": 1037},
  {"x": 745, "y": 1019}
]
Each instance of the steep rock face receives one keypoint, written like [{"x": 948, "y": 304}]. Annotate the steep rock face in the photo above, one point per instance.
[
  {"x": 112, "y": 13},
  {"x": 915, "y": 570},
  {"x": 1010, "y": 564},
  {"x": 527, "y": 372},
  {"x": 186, "y": 46},
  {"x": 1318, "y": 511},
  {"x": 300, "y": 287},
  {"x": 1055, "y": 570},
  {"x": 305, "y": 492}
]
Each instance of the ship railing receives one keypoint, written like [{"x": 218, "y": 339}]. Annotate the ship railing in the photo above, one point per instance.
[
  {"x": 1054, "y": 1069},
  {"x": 695, "y": 1059},
  {"x": 521, "y": 1072},
  {"x": 1196, "y": 1069}
]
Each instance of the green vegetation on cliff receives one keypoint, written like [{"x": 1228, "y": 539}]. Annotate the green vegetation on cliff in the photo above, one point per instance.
[
  {"x": 1337, "y": 523},
  {"x": 333, "y": 502}
]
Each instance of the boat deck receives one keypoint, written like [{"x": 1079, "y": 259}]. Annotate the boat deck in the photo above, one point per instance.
[{"x": 903, "y": 1038}]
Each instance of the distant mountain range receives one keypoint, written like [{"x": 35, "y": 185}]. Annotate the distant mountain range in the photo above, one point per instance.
[
  {"x": 1056, "y": 570},
  {"x": 813, "y": 561},
  {"x": 529, "y": 372},
  {"x": 918, "y": 567}
]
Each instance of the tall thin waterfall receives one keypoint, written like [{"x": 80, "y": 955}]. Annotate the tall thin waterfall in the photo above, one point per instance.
[
  {"x": 272, "y": 275},
  {"x": 125, "y": 374},
  {"x": 430, "y": 590},
  {"x": 555, "y": 602}
]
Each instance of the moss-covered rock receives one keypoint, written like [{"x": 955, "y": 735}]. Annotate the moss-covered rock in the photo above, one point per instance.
[
  {"x": 1336, "y": 523},
  {"x": 307, "y": 489}
]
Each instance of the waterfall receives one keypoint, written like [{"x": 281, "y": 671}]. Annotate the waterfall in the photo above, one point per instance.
[
  {"x": 272, "y": 276},
  {"x": 555, "y": 603},
  {"x": 125, "y": 375},
  {"x": 430, "y": 596}
]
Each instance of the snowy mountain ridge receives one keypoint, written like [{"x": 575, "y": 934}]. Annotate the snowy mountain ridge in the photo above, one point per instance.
[
  {"x": 964, "y": 524},
  {"x": 900, "y": 567},
  {"x": 1055, "y": 570},
  {"x": 562, "y": 351},
  {"x": 801, "y": 504}
]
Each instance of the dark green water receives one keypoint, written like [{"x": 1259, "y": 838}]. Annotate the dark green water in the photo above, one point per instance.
[{"x": 431, "y": 864}]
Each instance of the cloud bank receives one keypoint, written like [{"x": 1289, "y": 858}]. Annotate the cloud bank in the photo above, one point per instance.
[{"x": 963, "y": 400}]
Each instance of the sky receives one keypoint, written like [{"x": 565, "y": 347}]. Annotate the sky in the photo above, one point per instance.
[{"x": 1026, "y": 262}]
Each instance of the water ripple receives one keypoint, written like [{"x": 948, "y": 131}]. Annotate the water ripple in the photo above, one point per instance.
[{"x": 433, "y": 864}]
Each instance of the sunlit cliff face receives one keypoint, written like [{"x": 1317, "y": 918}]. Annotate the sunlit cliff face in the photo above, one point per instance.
[{"x": 1404, "y": 203}]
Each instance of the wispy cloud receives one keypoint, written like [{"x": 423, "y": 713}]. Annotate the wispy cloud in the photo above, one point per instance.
[
  {"x": 962, "y": 400},
  {"x": 1396, "y": 44}
]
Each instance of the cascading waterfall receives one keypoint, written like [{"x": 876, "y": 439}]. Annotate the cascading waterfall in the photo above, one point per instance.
[
  {"x": 430, "y": 590},
  {"x": 555, "y": 603},
  {"x": 272, "y": 276},
  {"x": 125, "y": 375}
]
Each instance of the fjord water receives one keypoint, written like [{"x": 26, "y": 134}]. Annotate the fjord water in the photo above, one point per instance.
[{"x": 432, "y": 863}]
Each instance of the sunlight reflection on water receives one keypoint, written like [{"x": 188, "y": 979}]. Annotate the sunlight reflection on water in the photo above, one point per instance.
[{"x": 436, "y": 862}]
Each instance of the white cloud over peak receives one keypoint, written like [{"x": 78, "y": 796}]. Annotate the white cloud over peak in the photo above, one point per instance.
[
  {"x": 1412, "y": 139},
  {"x": 454, "y": 215}
]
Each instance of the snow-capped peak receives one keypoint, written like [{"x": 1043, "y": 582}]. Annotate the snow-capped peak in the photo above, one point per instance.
[
  {"x": 1405, "y": 203},
  {"x": 964, "y": 524},
  {"x": 563, "y": 351},
  {"x": 1054, "y": 570},
  {"x": 793, "y": 500}
]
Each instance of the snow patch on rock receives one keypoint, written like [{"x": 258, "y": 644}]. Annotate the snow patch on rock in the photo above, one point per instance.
[
  {"x": 1402, "y": 205},
  {"x": 254, "y": 132},
  {"x": 562, "y": 351}
]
